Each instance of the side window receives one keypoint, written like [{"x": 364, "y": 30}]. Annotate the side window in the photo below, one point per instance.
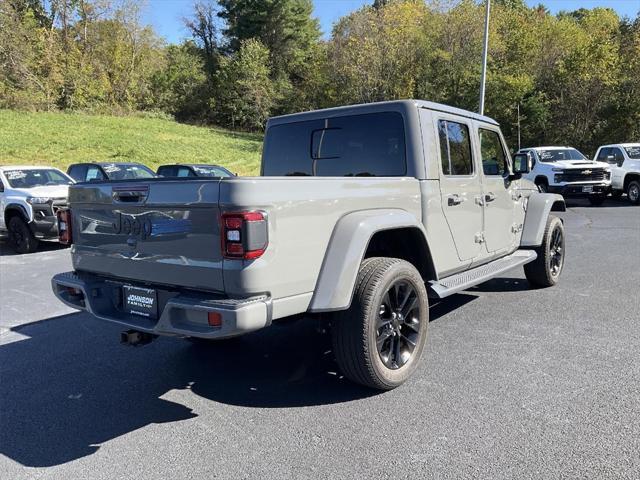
[
  {"x": 618, "y": 157},
  {"x": 1, "y": 185},
  {"x": 603, "y": 154},
  {"x": 166, "y": 171},
  {"x": 93, "y": 173},
  {"x": 185, "y": 172},
  {"x": 494, "y": 160},
  {"x": 455, "y": 148},
  {"x": 78, "y": 172}
]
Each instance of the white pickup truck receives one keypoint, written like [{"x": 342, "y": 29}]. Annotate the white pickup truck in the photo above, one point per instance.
[
  {"x": 566, "y": 171},
  {"x": 30, "y": 196},
  {"x": 360, "y": 214},
  {"x": 624, "y": 160}
]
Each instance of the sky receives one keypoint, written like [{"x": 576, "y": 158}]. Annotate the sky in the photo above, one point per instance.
[{"x": 166, "y": 15}]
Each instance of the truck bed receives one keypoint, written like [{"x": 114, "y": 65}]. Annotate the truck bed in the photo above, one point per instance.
[{"x": 164, "y": 232}]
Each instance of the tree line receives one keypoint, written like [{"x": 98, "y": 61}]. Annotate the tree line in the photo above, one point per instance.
[{"x": 574, "y": 76}]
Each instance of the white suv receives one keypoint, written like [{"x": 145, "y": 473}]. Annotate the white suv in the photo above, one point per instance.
[
  {"x": 29, "y": 199},
  {"x": 624, "y": 161},
  {"x": 566, "y": 171}
]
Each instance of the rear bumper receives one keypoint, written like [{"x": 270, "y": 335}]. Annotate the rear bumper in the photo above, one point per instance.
[
  {"x": 180, "y": 313},
  {"x": 576, "y": 189}
]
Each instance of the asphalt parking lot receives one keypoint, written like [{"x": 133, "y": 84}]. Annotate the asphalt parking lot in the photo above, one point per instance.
[{"x": 514, "y": 383}]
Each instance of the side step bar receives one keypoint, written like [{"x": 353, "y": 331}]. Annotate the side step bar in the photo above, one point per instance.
[{"x": 461, "y": 281}]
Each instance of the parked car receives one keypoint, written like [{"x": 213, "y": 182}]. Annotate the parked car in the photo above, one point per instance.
[
  {"x": 99, "y": 171},
  {"x": 624, "y": 161},
  {"x": 183, "y": 170},
  {"x": 566, "y": 171},
  {"x": 29, "y": 199},
  {"x": 361, "y": 213}
]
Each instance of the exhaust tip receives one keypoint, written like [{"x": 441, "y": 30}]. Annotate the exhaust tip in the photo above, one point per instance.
[{"x": 135, "y": 338}]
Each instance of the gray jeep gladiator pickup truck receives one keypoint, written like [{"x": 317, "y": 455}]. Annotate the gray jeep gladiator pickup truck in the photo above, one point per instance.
[{"x": 361, "y": 213}]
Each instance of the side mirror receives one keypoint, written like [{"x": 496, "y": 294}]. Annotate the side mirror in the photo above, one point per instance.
[{"x": 521, "y": 165}]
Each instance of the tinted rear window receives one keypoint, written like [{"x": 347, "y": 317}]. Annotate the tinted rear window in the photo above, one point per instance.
[{"x": 356, "y": 145}]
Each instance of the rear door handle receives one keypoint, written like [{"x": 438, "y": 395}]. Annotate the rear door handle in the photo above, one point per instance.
[
  {"x": 454, "y": 199},
  {"x": 489, "y": 197}
]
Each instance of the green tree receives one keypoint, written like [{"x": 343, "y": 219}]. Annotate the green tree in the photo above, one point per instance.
[
  {"x": 379, "y": 53},
  {"x": 245, "y": 94},
  {"x": 623, "y": 116},
  {"x": 287, "y": 29},
  {"x": 204, "y": 30},
  {"x": 181, "y": 87},
  {"x": 30, "y": 73}
]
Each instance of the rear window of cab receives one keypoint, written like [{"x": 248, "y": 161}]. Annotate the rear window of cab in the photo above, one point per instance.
[{"x": 367, "y": 145}]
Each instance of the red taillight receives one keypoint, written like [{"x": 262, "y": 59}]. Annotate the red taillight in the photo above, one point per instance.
[
  {"x": 65, "y": 235},
  {"x": 244, "y": 235},
  {"x": 214, "y": 319}
]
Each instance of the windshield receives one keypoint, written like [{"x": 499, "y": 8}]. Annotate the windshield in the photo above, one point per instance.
[
  {"x": 633, "y": 152},
  {"x": 207, "y": 171},
  {"x": 127, "y": 171},
  {"x": 560, "y": 154},
  {"x": 36, "y": 178}
]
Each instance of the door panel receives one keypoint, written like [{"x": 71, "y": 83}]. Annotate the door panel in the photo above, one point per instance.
[
  {"x": 499, "y": 194},
  {"x": 617, "y": 172},
  {"x": 460, "y": 187},
  {"x": 615, "y": 158}
]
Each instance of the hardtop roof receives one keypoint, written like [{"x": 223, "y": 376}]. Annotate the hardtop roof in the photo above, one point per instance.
[{"x": 378, "y": 107}]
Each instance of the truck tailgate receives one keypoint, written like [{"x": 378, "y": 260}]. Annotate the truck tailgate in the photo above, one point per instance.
[{"x": 156, "y": 231}]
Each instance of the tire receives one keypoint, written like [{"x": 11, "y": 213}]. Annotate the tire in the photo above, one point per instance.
[
  {"x": 633, "y": 192},
  {"x": 21, "y": 237},
  {"x": 373, "y": 345},
  {"x": 545, "y": 270},
  {"x": 597, "y": 200}
]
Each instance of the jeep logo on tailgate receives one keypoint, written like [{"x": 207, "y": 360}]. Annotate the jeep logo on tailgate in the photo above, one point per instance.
[{"x": 130, "y": 225}]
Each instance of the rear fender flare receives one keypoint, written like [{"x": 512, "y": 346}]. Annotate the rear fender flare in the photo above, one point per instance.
[
  {"x": 538, "y": 207},
  {"x": 346, "y": 250}
]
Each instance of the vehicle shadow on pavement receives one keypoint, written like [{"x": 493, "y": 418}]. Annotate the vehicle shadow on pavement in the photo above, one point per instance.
[
  {"x": 6, "y": 250},
  {"x": 503, "y": 285},
  {"x": 609, "y": 202},
  {"x": 68, "y": 385},
  {"x": 440, "y": 307}
]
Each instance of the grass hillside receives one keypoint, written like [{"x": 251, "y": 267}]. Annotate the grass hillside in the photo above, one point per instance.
[{"x": 59, "y": 139}]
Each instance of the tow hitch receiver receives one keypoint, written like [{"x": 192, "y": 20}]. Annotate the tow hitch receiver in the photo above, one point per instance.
[{"x": 135, "y": 338}]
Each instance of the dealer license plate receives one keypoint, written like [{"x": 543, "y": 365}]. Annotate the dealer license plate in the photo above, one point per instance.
[
  {"x": 140, "y": 301},
  {"x": 587, "y": 189}
]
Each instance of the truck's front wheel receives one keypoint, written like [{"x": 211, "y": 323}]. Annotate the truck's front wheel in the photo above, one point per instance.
[
  {"x": 378, "y": 341},
  {"x": 20, "y": 236},
  {"x": 545, "y": 270}
]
